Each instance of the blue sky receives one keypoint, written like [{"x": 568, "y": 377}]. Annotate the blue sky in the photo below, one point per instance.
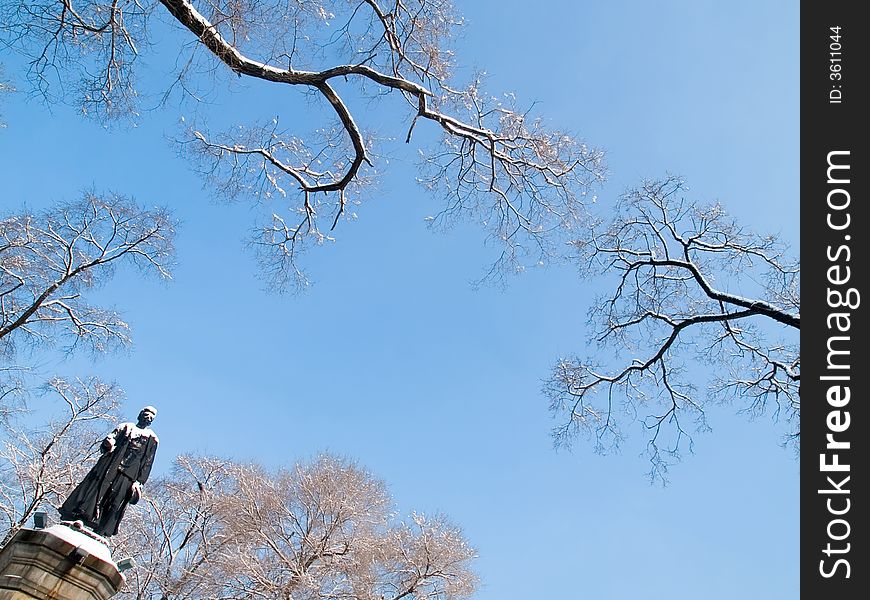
[{"x": 394, "y": 359}]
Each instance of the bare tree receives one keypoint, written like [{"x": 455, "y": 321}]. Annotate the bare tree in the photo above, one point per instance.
[
  {"x": 691, "y": 285},
  {"x": 324, "y": 529},
  {"x": 49, "y": 260},
  {"x": 12, "y": 390},
  {"x": 48, "y": 263},
  {"x": 39, "y": 466},
  {"x": 215, "y": 528},
  {"x": 496, "y": 163},
  {"x": 693, "y": 289}
]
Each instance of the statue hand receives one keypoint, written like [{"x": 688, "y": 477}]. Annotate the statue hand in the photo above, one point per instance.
[{"x": 135, "y": 492}]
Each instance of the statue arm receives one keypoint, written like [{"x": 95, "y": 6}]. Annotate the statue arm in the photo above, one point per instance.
[
  {"x": 111, "y": 440},
  {"x": 147, "y": 460}
]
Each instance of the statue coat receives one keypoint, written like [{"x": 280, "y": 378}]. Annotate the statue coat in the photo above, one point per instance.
[{"x": 102, "y": 497}]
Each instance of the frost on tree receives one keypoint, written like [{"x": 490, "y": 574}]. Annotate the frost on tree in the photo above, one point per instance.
[{"x": 496, "y": 164}]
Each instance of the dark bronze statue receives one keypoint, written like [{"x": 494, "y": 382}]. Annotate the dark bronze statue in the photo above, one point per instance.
[{"x": 100, "y": 500}]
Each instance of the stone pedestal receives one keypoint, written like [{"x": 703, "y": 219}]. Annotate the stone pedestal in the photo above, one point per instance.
[{"x": 58, "y": 563}]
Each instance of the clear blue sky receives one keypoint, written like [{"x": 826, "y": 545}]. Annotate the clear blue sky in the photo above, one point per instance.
[{"x": 393, "y": 359}]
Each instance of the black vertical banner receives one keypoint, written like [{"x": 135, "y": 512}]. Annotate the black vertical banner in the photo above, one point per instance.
[{"x": 835, "y": 235}]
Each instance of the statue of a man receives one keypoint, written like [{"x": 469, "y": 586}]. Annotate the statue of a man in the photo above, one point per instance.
[{"x": 100, "y": 499}]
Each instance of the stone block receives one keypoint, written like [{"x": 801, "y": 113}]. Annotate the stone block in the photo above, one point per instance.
[{"x": 58, "y": 563}]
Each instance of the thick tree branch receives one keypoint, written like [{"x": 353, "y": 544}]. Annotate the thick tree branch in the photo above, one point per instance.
[{"x": 669, "y": 316}]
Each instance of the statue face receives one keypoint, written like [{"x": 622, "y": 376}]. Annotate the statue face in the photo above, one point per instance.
[{"x": 146, "y": 417}]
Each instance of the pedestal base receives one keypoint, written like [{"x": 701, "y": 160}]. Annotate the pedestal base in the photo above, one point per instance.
[{"x": 58, "y": 563}]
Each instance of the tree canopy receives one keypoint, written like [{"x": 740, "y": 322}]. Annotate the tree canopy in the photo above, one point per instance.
[{"x": 496, "y": 163}]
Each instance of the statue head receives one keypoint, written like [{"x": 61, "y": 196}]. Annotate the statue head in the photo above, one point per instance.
[{"x": 146, "y": 416}]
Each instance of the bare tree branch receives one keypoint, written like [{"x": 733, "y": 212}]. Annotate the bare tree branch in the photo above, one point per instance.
[
  {"x": 222, "y": 529},
  {"x": 527, "y": 185},
  {"x": 99, "y": 41},
  {"x": 691, "y": 285},
  {"x": 49, "y": 260}
]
